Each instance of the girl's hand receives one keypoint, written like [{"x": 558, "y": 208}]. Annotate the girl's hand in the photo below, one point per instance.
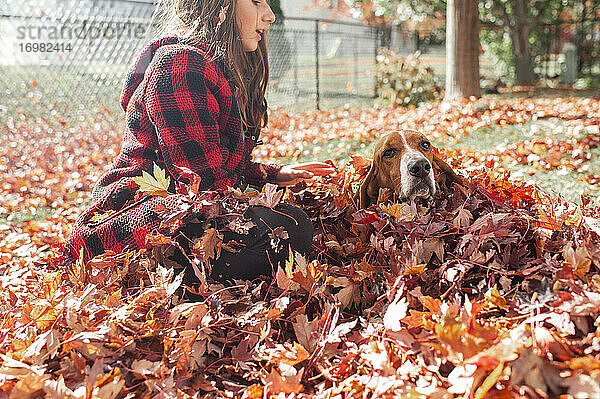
[{"x": 290, "y": 175}]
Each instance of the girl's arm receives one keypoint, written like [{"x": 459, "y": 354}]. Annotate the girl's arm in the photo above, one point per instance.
[
  {"x": 257, "y": 174},
  {"x": 181, "y": 100}
]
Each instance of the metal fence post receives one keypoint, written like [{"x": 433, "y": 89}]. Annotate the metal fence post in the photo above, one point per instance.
[
  {"x": 375, "y": 59},
  {"x": 356, "y": 67},
  {"x": 296, "y": 90},
  {"x": 548, "y": 50},
  {"x": 417, "y": 44},
  {"x": 317, "y": 85}
]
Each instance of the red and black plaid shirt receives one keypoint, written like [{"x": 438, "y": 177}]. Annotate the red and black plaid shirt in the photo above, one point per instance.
[{"x": 180, "y": 112}]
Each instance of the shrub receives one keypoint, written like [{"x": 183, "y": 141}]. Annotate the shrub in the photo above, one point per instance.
[{"x": 404, "y": 80}]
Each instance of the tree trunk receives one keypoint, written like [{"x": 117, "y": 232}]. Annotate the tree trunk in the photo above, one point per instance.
[
  {"x": 581, "y": 36},
  {"x": 519, "y": 34},
  {"x": 462, "y": 49}
]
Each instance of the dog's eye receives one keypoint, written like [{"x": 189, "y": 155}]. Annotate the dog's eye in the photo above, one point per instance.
[
  {"x": 425, "y": 145},
  {"x": 389, "y": 153}
]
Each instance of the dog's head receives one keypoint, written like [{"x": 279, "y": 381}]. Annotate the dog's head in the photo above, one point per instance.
[{"x": 404, "y": 162}]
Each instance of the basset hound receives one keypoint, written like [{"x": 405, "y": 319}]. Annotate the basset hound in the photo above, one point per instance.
[{"x": 404, "y": 162}]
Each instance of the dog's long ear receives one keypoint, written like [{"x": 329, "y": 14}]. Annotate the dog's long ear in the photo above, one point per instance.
[
  {"x": 364, "y": 200},
  {"x": 443, "y": 167}
]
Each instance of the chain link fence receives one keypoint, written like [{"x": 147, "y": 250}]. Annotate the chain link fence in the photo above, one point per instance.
[
  {"x": 76, "y": 52},
  {"x": 70, "y": 51},
  {"x": 316, "y": 62}
]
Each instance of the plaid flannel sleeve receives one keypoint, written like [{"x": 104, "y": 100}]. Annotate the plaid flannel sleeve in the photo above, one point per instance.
[
  {"x": 181, "y": 102},
  {"x": 257, "y": 174}
]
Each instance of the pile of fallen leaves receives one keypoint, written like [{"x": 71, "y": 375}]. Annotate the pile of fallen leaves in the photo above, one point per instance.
[{"x": 494, "y": 293}]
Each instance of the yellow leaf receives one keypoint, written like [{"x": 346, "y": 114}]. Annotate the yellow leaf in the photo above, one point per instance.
[
  {"x": 489, "y": 382},
  {"x": 154, "y": 185},
  {"x": 315, "y": 273},
  {"x": 43, "y": 314},
  {"x": 100, "y": 217},
  {"x": 254, "y": 392},
  {"x": 394, "y": 210},
  {"x": 289, "y": 264},
  {"x": 494, "y": 297},
  {"x": 301, "y": 355},
  {"x": 415, "y": 269},
  {"x": 285, "y": 277},
  {"x": 265, "y": 330},
  {"x": 276, "y": 383}
]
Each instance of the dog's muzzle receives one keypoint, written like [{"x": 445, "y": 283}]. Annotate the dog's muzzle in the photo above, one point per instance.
[{"x": 417, "y": 179}]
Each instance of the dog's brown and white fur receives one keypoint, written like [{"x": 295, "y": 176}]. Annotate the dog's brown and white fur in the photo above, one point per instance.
[{"x": 404, "y": 162}]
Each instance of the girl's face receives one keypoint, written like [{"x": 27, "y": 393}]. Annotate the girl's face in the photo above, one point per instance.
[{"x": 253, "y": 18}]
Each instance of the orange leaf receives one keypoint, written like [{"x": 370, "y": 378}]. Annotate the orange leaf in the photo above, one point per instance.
[
  {"x": 276, "y": 384},
  {"x": 431, "y": 304}
]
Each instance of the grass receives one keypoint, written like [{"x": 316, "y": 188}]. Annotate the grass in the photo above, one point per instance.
[
  {"x": 40, "y": 213},
  {"x": 555, "y": 181}
]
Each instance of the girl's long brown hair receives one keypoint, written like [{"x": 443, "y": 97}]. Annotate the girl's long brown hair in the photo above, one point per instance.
[{"x": 249, "y": 70}]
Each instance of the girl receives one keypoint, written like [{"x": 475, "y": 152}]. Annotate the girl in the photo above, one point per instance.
[{"x": 195, "y": 100}]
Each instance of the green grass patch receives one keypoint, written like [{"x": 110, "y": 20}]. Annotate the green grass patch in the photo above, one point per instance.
[
  {"x": 40, "y": 213},
  {"x": 568, "y": 183}
]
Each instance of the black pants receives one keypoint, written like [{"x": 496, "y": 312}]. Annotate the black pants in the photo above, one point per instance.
[{"x": 257, "y": 256}]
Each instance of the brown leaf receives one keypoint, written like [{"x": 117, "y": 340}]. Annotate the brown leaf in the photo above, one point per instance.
[
  {"x": 157, "y": 239},
  {"x": 346, "y": 294},
  {"x": 283, "y": 279},
  {"x": 536, "y": 372},
  {"x": 463, "y": 217},
  {"x": 191, "y": 178},
  {"x": 275, "y": 384},
  {"x": 579, "y": 259},
  {"x": 209, "y": 246},
  {"x": 109, "y": 385},
  {"x": 277, "y": 235},
  {"x": 239, "y": 226},
  {"x": 340, "y": 331},
  {"x": 145, "y": 367},
  {"x": 269, "y": 197},
  {"x": 306, "y": 331},
  {"x": 58, "y": 390}
]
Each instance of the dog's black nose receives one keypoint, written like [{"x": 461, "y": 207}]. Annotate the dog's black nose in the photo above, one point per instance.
[{"x": 419, "y": 168}]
